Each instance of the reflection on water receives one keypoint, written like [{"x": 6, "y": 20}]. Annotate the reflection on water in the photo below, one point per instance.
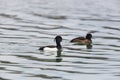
[
  {"x": 26, "y": 25},
  {"x": 88, "y": 46},
  {"x": 59, "y": 57},
  {"x": 57, "y": 54}
]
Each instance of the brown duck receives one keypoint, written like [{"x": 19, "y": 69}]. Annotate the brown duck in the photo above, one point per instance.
[{"x": 83, "y": 40}]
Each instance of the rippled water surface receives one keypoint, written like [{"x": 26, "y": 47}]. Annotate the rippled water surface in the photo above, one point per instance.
[{"x": 25, "y": 25}]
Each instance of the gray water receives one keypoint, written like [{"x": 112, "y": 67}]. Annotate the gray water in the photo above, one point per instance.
[{"x": 25, "y": 25}]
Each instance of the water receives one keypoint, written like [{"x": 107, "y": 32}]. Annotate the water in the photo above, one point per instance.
[{"x": 25, "y": 25}]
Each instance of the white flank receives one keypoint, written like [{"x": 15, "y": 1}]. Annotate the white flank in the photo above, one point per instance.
[{"x": 50, "y": 49}]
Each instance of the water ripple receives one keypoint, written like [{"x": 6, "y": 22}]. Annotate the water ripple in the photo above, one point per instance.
[
  {"x": 59, "y": 17},
  {"x": 27, "y": 25}
]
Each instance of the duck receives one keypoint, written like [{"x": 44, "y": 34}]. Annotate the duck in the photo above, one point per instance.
[
  {"x": 83, "y": 40},
  {"x": 58, "y": 40}
]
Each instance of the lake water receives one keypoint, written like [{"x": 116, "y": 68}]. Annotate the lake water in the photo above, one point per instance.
[{"x": 25, "y": 25}]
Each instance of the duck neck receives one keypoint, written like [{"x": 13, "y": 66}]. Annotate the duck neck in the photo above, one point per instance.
[
  {"x": 88, "y": 38},
  {"x": 58, "y": 45}
]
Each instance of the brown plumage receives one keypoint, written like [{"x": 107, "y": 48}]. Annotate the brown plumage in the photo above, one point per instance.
[{"x": 83, "y": 40}]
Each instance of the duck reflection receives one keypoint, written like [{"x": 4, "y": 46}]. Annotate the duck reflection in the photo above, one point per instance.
[
  {"x": 58, "y": 57},
  {"x": 56, "y": 54},
  {"x": 88, "y": 46}
]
